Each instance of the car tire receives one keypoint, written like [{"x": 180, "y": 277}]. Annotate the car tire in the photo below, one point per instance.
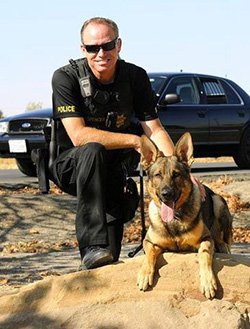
[
  {"x": 242, "y": 158},
  {"x": 27, "y": 167}
]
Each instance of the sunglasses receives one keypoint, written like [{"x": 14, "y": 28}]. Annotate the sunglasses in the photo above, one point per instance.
[{"x": 94, "y": 49}]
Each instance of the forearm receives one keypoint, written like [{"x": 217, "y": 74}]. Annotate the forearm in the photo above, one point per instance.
[
  {"x": 161, "y": 138},
  {"x": 156, "y": 132},
  {"x": 109, "y": 140}
]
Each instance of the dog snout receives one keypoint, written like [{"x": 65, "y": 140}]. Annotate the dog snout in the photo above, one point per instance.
[{"x": 167, "y": 193}]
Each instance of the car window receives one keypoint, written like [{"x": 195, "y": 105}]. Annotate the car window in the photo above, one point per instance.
[
  {"x": 157, "y": 84},
  {"x": 231, "y": 94},
  {"x": 218, "y": 91},
  {"x": 214, "y": 91},
  {"x": 186, "y": 88}
]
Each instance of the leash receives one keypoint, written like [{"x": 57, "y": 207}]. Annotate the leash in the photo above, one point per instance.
[{"x": 143, "y": 225}]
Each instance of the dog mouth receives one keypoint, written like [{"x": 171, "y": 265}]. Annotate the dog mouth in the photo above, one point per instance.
[{"x": 168, "y": 209}]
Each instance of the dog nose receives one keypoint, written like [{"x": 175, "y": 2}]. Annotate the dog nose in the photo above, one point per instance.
[{"x": 167, "y": 193}]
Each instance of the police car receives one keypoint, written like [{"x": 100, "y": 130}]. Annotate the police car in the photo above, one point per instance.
[
  {"x": 20, "y": 134},
  {"x": 215, "y": 110}
]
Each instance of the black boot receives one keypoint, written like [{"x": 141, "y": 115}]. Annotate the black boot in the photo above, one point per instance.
[{"x": 95, "y": 256}]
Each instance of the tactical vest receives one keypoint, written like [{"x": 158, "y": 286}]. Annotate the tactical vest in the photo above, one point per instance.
[{"x": 106, "y": 107}]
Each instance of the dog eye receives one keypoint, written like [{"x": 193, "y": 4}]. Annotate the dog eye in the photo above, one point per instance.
[
  {"x": 175, "y": 174},
  {"x": 158, "y": 175}
]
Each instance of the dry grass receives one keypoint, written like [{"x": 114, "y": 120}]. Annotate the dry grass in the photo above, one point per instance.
[
  {"x": 8, "y": 163},
  {"x": 11, "y": 163},
  {"x": 219, "y": 159}
]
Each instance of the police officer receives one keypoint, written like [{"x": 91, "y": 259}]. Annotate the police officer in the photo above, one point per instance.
[{"x": 94, "y": 101}]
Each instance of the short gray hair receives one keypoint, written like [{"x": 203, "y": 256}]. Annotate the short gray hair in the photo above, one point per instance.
[{"x": 101, "y": 20}]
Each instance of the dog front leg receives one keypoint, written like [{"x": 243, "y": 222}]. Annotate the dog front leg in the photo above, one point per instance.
[
  {"x": 146, "y": 274},
  {"x": 207, "y": 279}
]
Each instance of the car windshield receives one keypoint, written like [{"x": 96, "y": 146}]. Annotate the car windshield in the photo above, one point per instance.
[{"x": 157, "y": 83}]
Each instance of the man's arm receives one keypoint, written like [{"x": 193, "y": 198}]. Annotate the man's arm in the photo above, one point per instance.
[{"x": 80, "y": 135}]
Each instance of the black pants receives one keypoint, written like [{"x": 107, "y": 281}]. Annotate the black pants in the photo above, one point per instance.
[{"x": 96, "y": 177}]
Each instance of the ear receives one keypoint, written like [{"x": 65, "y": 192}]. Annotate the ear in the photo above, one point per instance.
[
  {"x": 83, "y": 49},
  {"x": 119, "y": 44},
  {"x": 184, "y": 149},
  {"x": 149, "y": 152}
]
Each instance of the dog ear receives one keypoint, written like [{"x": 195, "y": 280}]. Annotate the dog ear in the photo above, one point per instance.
[
  {"x": 149, "y": 152},
  {"x": 184, "y": 149}
]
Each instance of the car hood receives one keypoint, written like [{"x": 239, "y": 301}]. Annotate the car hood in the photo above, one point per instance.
[{"x": 43, "y": 113}]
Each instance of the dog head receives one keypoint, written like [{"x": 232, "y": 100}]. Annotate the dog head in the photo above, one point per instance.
[{"x": 169, "y": 182}]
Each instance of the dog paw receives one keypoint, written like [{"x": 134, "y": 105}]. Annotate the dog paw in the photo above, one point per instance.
[
  {"x": 208, "y": 286},
  {"x": 145, "y": 279}
]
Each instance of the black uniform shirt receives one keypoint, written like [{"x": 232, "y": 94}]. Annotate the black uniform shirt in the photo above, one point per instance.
[{"x": 130, "y": 95}]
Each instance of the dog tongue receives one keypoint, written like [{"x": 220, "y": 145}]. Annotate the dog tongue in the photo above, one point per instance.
[{"x": 167, "y": 212}]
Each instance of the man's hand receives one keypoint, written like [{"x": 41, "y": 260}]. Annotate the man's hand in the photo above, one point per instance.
[
  {"x": 155, "y": 131},
  {"x": 145, "y": 150}
]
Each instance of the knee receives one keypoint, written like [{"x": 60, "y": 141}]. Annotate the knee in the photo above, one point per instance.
[
  {"x": 92, "y": 150},
  {"x": 91, "y": 154},
  {"x": 95, "y": 147}
]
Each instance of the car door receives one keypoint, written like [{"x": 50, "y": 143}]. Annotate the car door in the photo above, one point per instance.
[
  {"x": 187, "y": 115},
  {"x": 227, "y": 114}
]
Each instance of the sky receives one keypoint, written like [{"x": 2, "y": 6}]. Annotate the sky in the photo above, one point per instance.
[{"x": 37, "y": 37}]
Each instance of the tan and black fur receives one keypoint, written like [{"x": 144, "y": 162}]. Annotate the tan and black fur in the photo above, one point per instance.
[{"x": 203, "y": 226}]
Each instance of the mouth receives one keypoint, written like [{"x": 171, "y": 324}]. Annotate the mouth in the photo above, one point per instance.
[
  {"x": 102, "y": 61},
  {"x": 168, "y": 209}
]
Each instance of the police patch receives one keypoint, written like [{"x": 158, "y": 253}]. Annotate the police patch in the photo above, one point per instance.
[{"x": 66, "y": 109}]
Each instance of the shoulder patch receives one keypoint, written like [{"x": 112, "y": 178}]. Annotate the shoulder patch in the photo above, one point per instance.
[{"x": 66, "y": 109}]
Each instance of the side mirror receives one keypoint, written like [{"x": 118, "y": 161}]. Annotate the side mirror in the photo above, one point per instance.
[{"x": 172, "y": 99}]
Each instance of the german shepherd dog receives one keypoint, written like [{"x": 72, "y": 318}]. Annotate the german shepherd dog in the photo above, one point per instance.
[{"x": 179, "y": 219}]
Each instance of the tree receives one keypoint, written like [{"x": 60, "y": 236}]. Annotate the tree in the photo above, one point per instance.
[
  {"x": 1, "y": 114},
  {"x": 33, "y": 106}
]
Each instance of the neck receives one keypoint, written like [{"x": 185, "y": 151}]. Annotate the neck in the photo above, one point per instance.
[{"x": 105, "y": 78}]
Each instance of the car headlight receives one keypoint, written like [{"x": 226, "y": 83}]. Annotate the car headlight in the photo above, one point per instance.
[{"x": 4, "y": 125}]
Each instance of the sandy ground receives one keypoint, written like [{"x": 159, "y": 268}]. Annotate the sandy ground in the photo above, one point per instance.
[
  {"x": 40, "y": 286},
  {"x": 108, "y": 298},
  {"x": 37, "y": 236}
]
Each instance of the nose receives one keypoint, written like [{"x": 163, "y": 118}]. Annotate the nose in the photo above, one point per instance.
[
  {"x": 167, "y": 193},
  {"x": 101, "y": 52}
]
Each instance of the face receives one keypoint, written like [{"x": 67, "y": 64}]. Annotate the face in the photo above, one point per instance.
[{"x": 102, "y": 63}]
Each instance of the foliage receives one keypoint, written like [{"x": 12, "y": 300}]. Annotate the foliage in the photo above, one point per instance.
[{"x": 31, "y": 106}]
